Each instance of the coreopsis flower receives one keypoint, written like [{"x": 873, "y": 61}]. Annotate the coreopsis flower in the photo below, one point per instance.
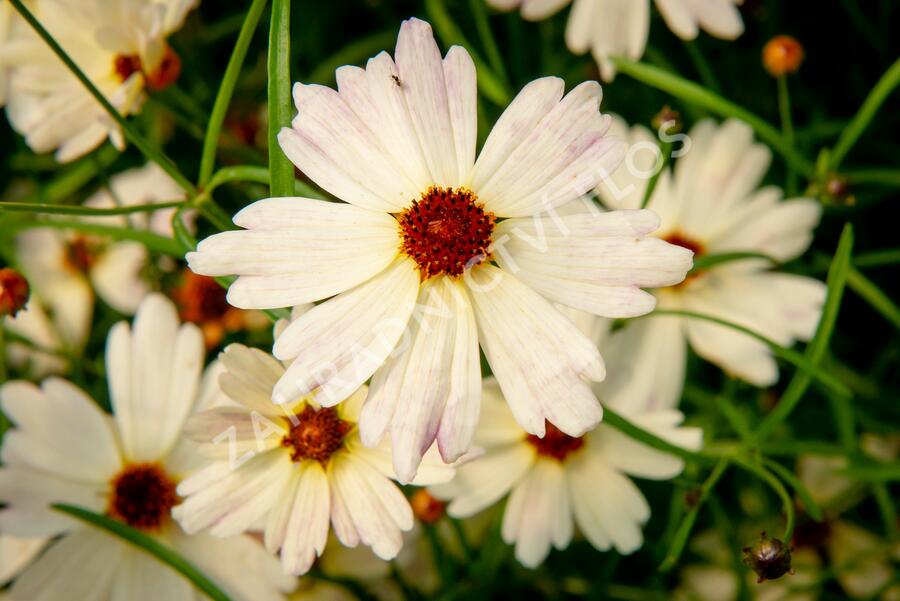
[
  {"x": 292, "y": 468},
  {"x": 65, "y": 267},
  {"x": 64, "y": 449},
  {"x": 711, "y": 203},
  {"x": 556, "y": 478},
  {"x": 121, "y": 47},
  {"x": 409, "y": 260},
  {"x": 620, "y": 27}
]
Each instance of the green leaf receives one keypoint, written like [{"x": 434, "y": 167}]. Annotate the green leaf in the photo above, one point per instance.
[
  {"x": 35, "y": 207},
  {"x": 226, "y": 90},
  {"x": 150, "y": 545},
  {"x": 145, "y": 146},
  {"x": 281, "y": 170},
  {"x": 804, "y": 364},
  {"x": 697, "y": 94},
  {"x": 859, "y": 123},
  {"x": 817, "y": 347}
]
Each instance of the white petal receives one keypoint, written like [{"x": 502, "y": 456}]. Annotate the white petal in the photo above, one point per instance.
[
  {"x": 79, "y": 566},
  {"x": 484, "y": 481},
  {"x": 646, "y": 360},
  {"x": 141, "y": 577},
  {"x": 679, "y": 18},
  {"x": 538, "y": 10},
  {"x": 432, "y": 470},
  {"x": 352, "y": 334},
  {"x": 720, "y": 18},
  {"x": 280, "y": 513},
  {"x": 307, "y": 527},
  {"x": 537, "y": 355},
  {"x": 578, "y": 27},
  {"x": 624, "y": 453},
  {"x": 538, "y": 513},
  {"x": 29, "y": 493},
  {"x": 564, "y": 156},
  {"x": 154, "y": 374},
  {"x": 117, "y": 276},
  {"x": 60, "y": 430},
  {"x": 297, "y": 250},
  {"x": 462, "y": 96},
  {"x": 249, "y": 378}
]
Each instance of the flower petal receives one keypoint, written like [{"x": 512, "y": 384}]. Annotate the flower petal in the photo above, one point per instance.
[{"x": 307, "y": 526}]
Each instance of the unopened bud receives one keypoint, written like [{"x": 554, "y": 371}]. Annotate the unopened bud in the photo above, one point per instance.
[
  {"x": 782, "y": 55},
  {"x": 426, "y": 507},
  {"x": 668, "y": 120},
  {"x": 770, "y": 558},
  {"x": 14, "y": 291}
]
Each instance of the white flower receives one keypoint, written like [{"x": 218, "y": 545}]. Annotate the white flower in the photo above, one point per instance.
[
  {"x": 712, "y": 204},
  {"x": 119, "y": 44},
  {"x": 42, "y": 353},
  {"x": 63, "y": 266},
  {"x": 558, "y": 477},
  {"x": 409, "y": 257},
  {"x": 16, "y": 553},
  {"x": 64, "y": 449},
  {"x": 288, "y": 469},
  {"x": 619, "y": 27}
]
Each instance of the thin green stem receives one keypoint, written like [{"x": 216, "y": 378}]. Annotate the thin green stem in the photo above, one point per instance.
[
  {"x": 226, "y": 90},
  {"x": 150, "y": 545},
  {"x": 703, "y": 69},
  {"x": 877, "y": 258},
  {"x": 775, "y": 484},
  {"x": 478, "y": 10},
  {"x": 153, "y": 242},
  {"x": 886, "y": 176},
  {"x": 259, "y": 175},
  {"x": 34, "y": 207},
  {"x": 281, "y": 170},
  {"x": 666, "y": 154},
  {"x": 149, "y": 150},
  {"x": 798, "y": 360},
  {"x": 613, "y": 419},
  {"x": 697, "y": 94},
  {"x": 788, "y": 476},
  {"x": 815, "y": 351},
  {"x": 489, "y": 83},
  {"x": 679, "y": 540},
  {"x": 863, "y": 117},
  {"x": 887, "y": 509},
  {"x": 711, "y": 260},
  {"x": 873, "y": 295},
  {"x": 787, "y": 129}
]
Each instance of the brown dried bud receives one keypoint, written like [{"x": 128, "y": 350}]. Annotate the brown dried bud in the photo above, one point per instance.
[
  {"x": 427, "y": 508},
  {"x": 14, "y": 291},
  {"x": 770, "y": 558},
  {"x": 783, "y": 54},
  {"x": 667, "y": 120}
]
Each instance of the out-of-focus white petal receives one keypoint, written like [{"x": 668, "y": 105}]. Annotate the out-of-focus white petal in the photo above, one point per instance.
[{"x": 117, "y": 276}]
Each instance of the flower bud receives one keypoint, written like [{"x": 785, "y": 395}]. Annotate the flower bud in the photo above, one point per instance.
[
  {"x": 426, "y": 507},
  {"x": 667, "y": 120},
  {"x": 782, "y": 55},
  {"x": 770, "y": 558},
  {"x": 14, "y": 291}
]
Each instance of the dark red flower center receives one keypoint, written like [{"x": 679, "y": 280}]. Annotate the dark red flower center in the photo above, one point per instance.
[
  {"x": 142, "y": 496},
  {"x": 555, "y": 443},
  {"x": 81, "y": 253},
  {"x": 14, "y": 291},
  {"x": 446, "y": 231},
  {"x": 200, "y": 299},
  {"x": 683, "y": 241},
  {"x": 165, "y": 74},
  {"x": 315, "y": 434}
]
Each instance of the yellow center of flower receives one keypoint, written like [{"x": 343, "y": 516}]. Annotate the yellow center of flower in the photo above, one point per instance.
[
  {"x": 446, "y": 231},
  {"x": 315, "y": 434},
  {"x": 142, "y": 496},
  {"x": 555, "y": 444}
]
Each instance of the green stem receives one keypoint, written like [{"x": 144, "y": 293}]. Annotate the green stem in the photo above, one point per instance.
[
  {"x": 859, "y": 123},
  {"x": 706, "y": 73},
  {"x": 613, "y": 419},
  {"x": 873, "y": 295},
  {"x": 815, "y": 351},
  {"x": 708, "y": 261},
  {"x": 775, "y": 484},
  {"x": 805, "y": 366},
  {"x": 687, "y": 522},
  {"x": 886, "y": 176},
  {"x": 788, "y": 476},
  {"x": 697, "y": 94},
  {"x": 787, "y": 128},
  {"x": 74, "y": 177},
  {"x": 34, "y": 207},
  {"x": 281, "y": 170},
  {"x": 151, "y": 152},
  {"x": 226, "y": 90},
  {"x": 150, "y": 545},
  {"x": 477, "y": 8},
  {"x": 886, "y": 509},
  {"x": 666, "y": 150},
  {"x": 488, "y": 82},
  {"x": 259, "y": 175},
  {"x": 877, "y": 258}
]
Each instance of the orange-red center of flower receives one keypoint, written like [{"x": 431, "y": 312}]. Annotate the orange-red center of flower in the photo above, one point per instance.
[
  {"x": 685, "y": 242},
  {"x": 315, "y": 434},
  {"x": 81, "y": 253},
  {"x": 200, "y": 298},
  {"x": 14, "y": 291},
  {"x": 555, "y": 443},
  {"x": 446, "y": 231},
  {"x": 142, "y": 496},
  {"x": 162, "y": 77}
]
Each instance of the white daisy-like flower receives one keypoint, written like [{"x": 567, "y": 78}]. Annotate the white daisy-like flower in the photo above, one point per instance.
[
  {"x": 119, "y": 44},
  {"x": 289, "y": 469},
  {"x": 65, "y": 267},
  {"x": 712, "y": 204},
  {"x": 553, "y": 479},
  {"x": 411, "y": 256},
  {"x": 619, "y": 27},
  {"x": 16, "y": 553},
  {"x": 64, "y": 449}
]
